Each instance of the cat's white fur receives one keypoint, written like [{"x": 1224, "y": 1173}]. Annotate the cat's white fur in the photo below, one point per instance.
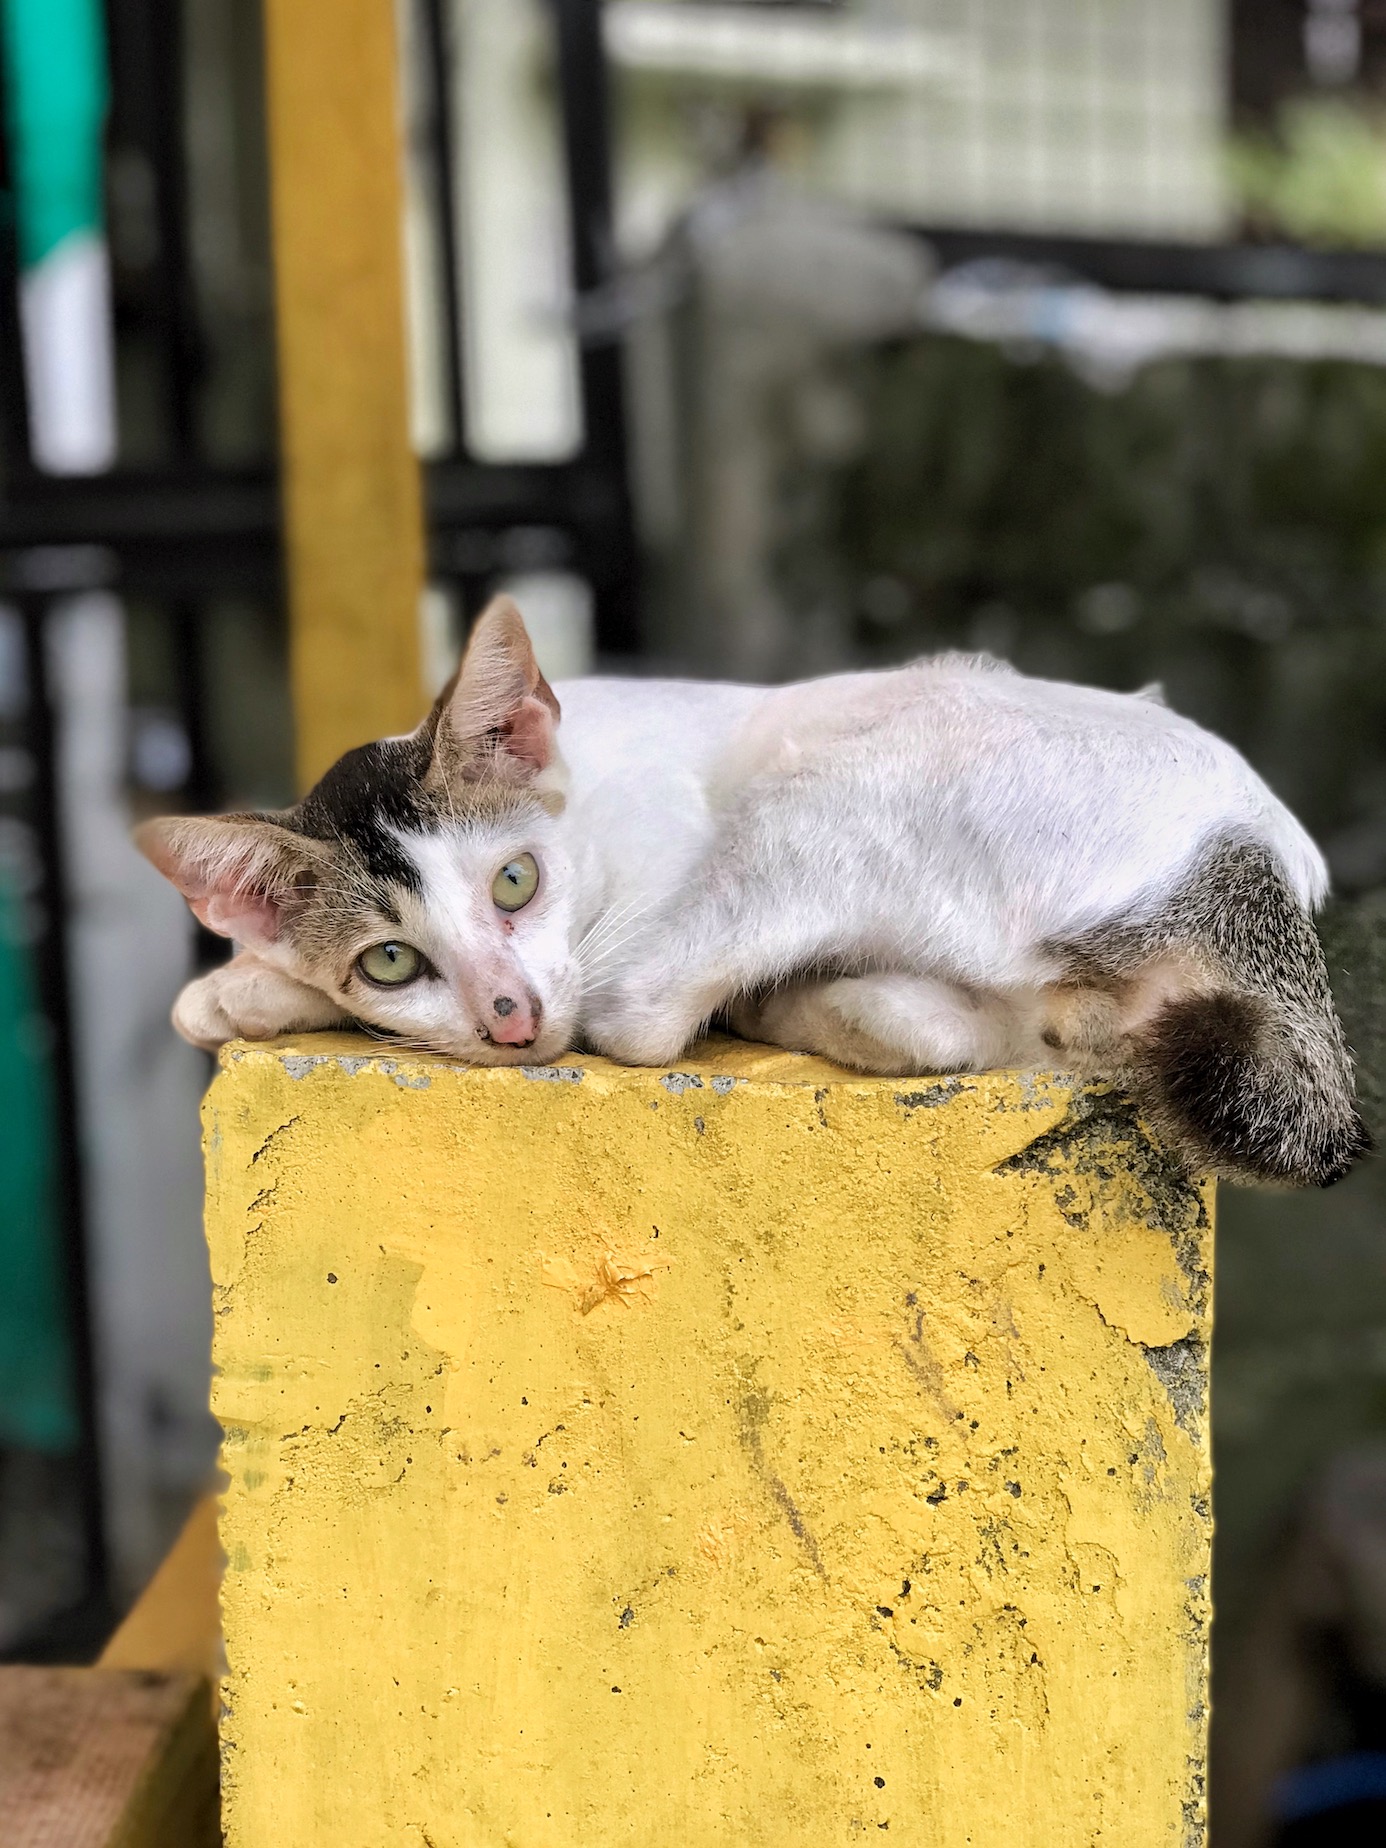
[
  {"x": 937, "y": 830},
  {"x": 946, "y": 824}
]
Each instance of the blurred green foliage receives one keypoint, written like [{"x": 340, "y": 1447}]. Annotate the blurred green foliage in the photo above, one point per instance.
[
  {"x": 1320, "y": 178},
  {"x": 1219, "y": 525}
]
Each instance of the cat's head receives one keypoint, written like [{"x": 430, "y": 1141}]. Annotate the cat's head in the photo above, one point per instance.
[{"x": 421, "y": 884}]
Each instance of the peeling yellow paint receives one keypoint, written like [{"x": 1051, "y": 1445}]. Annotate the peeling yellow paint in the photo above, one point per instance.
[{"x": 751, "y": 1454}]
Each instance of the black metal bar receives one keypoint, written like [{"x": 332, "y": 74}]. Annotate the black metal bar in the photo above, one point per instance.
[
  {"x": 184, "y": 358},
  {"x": 146, "y": 39},
  {"x": 202, "y": 790},
  {"x": 1222, "y": 272},
  {"x": 582, "y": 80},
  {"x": 190, "y": 692},
  {"x": 53, "y": 967},
  {"x": 184, "y": 361},
  {"x": 133, "y": 507},
  {"x": 520, "y": 494},
  {"x": 439, "y": 77},
  {"x": 132, "y": 515},
  {"x": 15, "y": 454}
]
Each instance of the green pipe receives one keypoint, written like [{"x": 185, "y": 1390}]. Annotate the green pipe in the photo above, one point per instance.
[{"x": 56, "y": 95}]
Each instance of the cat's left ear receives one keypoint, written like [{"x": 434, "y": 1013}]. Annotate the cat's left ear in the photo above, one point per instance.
[{"x": 498, "y": 715}]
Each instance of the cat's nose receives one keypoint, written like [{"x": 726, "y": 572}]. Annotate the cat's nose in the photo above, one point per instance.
[{"x": 514, "y": 1023}]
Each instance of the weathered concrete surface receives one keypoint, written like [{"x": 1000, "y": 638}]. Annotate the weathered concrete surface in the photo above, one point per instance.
[{"x": 747, "y": 1455}]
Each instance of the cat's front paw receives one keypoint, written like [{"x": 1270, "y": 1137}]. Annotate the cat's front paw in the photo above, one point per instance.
[
  {"x": 200, "y": 1016},
  {"x": 636, "y": 1031},
  {"x": 246, "y": 999}
]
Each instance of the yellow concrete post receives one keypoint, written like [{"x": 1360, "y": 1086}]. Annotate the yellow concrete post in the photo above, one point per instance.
[
  {"x": 351, "y": 482},
  {"x": 751, "y": 1454},
  {"x": 175, "y": 1623}
]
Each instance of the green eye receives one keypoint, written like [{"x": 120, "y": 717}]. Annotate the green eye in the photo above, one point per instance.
[
  {"x": 390, "y": 965},
  {"x": 516, "y": 883}
]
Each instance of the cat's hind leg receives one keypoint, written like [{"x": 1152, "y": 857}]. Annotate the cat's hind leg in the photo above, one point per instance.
[
  {"x": 1218, "y": 1015},
  {"x": 894, "y": 1024}
]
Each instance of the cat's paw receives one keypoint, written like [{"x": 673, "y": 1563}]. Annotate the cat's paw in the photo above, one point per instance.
[
  {"x": 638, "y": 1032},
  {"x": 246, "y": 999},
  {"x": 199, "y": 1015}
]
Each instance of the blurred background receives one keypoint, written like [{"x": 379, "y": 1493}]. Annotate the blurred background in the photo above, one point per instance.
[{"x": 752, "y": 340}]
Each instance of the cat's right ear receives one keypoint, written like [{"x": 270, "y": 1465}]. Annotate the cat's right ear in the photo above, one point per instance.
[{"x": 239, "y": 873}]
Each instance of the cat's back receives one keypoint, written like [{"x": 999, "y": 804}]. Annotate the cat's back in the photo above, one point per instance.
[
  {"x": 1088, "y": 779},
  {"x": 658, "y": 728},
  {"x": 1080, "y": 787},
  {"x": 949, "y": 712},
  {"x": 641, "y": 757}
]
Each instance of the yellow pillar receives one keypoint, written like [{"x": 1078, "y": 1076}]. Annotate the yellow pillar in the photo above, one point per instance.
[
  {"x": 351, "y": 482},
  {"x": 752, "y": 1454}
]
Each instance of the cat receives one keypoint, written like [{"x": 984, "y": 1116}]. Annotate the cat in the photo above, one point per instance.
[{"x": 944, "y": 867}]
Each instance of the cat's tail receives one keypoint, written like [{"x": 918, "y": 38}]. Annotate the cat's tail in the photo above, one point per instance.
[{"x": 1249, "y": 1073}]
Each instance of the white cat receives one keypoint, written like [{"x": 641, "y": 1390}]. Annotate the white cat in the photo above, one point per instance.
[{"x": 941, "y": 868}]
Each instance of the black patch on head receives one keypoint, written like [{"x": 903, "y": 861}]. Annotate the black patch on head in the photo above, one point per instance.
[{"x": 364, "y": 796}]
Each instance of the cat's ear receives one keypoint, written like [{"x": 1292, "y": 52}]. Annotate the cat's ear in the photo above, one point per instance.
[
  {"x": 498, "y": 714},
  {"x": 241, "y": 874}
]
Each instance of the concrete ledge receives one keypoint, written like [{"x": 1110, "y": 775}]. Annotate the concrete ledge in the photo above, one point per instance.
[
  {"x": 749, "y": 1454},
  {"x": 106, "y": 1758}
]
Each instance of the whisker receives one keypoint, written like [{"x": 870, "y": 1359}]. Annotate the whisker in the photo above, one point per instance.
[
  {"x": 615, "y": 914},
  {"x": 612, "y": 930},
  {"x": 594, "y": 966},
  {"x": 613, "y": 921},
  {"x": 596, "y": 969},
  {"x": 405, "y": 1042}
]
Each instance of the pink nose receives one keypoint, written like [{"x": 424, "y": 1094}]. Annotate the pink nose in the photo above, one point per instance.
[{"x": 513, "y": 1023}]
